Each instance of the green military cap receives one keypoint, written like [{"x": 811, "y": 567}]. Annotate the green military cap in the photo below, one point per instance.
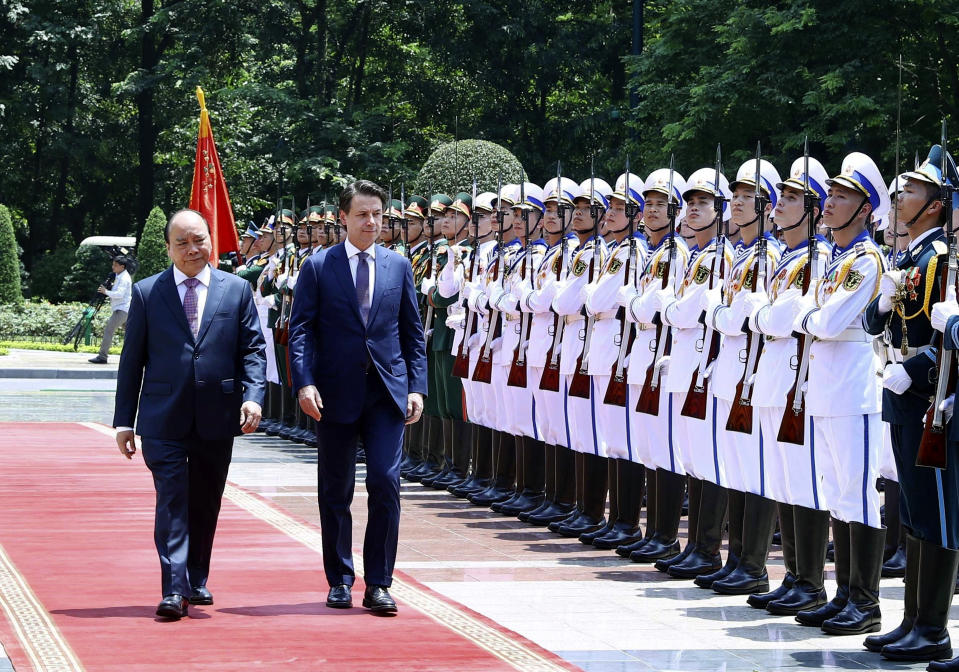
[
  {"x": 462, "y": 203},
  {"x": 395, "y": 209},
  {"x": 439, "y": 203},
  {"x": 417, "y": 207},
  {"x": 287, "y": 217},
  {"x": 330, "y": 214}
]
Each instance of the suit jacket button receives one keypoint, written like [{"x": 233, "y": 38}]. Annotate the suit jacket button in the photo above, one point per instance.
[{"x": 196, "y": 355}]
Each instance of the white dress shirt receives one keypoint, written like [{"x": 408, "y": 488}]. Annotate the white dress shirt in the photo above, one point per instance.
[
  {"x": 351, "y": 254},
  {"x": 121, "y": 292},
  {"x": 201, "y": 289}
]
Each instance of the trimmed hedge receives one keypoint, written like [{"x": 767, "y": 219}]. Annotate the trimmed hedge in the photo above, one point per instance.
[
  {"x": 39, "y": 320},
  {"x": 53, "y": 347},
  {"x": 452, "y": 167},
  {"x": 151, "y": 248},
  {"x": 10, "y": 291}
]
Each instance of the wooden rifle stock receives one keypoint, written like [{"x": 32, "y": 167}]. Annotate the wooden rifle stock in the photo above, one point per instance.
[
  {"x": 697, "y": 395},
  {"x": 616, "y": 390},
  {"x": 741, "y": 412},
  {"x": 580, "y": 383},
  {"x": 549, "y": 381}
]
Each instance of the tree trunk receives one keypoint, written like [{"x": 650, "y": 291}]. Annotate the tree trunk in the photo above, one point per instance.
[{"x": 60, "y": 196}]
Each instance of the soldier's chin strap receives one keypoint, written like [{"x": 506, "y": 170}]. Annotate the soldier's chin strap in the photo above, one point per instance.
[
  {"x": 711, "y": 224},
  {"x": 932, "y": 199},
  {"x": 800, "y": 222},
  {"x": 865, "y": 199}
]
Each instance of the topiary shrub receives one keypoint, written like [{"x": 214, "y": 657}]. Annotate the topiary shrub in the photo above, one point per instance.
[
  {"x": 151, "y": 248},
  {"x": 49, "y": 270},
  {"x": 90, "y": 268},
  {"x": 10, "y": 291},
  {"x": 453, "y": 165}
]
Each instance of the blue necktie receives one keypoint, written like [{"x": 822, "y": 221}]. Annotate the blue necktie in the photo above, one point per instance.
[{"x": 363, "y": 285}]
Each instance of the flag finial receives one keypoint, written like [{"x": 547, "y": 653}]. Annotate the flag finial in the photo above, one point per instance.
[{"x": 200, "y": 97}]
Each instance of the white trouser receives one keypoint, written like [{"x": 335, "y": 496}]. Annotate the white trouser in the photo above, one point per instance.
[
  {"x": 498, "y": 399},
  {"x": 272, "y": 375},
  {"x": 696, "y": 442},
  {"x": 520, "y": 409},
  {"x": 887, "y": 461},
  {"x": 581, "y": 421},
  {"x": 550, "y": 416},
  {"x": 653, "y": 436},
  {"x": 791, "y": 473},
  {"x": 847, "y": 451},
  {"x": 612, "y": 423},
  {"x": 481, "y": 396},
  {"x": 742, "y": 455}
]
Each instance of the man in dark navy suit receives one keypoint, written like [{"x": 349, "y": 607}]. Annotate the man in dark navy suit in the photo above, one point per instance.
[
  {"x": 193, "y": 364},
  {"x": 358, "y": 359}
]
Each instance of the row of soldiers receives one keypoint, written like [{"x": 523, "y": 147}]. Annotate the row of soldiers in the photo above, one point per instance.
[{"x": 661, "y": 342}]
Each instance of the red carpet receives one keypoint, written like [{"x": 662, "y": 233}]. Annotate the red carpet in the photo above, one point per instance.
[{"x": 79, "y": 577}]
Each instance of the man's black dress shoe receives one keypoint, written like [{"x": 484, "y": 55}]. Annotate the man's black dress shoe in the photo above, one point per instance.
[
  {"x": 339, "y": 597},
  {"x": 201, "y": 595},
  {"x": 377, "y": 599},
  {"x": 173, "y": 607}
]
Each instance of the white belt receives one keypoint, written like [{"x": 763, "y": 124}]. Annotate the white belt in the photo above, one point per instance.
[
  {"x": 606, "y": 315},
  {"x": 644, "y": 326},
  {"x": 573, "y": 319},
  {"x": 509, "y": 318},
  {"x": 896, "y": 354},
  {"x": 851, "y": 335}
]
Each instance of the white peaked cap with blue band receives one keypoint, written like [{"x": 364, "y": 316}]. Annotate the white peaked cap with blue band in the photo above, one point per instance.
[
  {"x": 769, "y": 179},
  {"x": 532, "y": 197},
  {"x": 817, "y": 178},
  {"x": 601, "y": 190},
  {"x": 658, "y": 181},
  {"x": 861, "y": 174},
  {"x": 636, "y": 188},
  {"x": 569, "y": 189},
  {"x": 704, "y": 180},
  {"x": 484, "y": 201}
]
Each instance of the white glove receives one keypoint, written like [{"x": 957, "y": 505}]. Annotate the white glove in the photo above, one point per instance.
[
  {"x": 664, "y": 298},
  {"x": 753, "y": 301},
  {"x": 496, "y": 344},
  {"x": 754, "y": 318},
  {"x": 427, "y": 286},
  {"x": 710, "y": 299},
  {"x": 947, "y": 406},
  {"x": 895, "y": 379},
  {"x": 454, "y": 321},
  {"x": 942, "y": 311},
  {"x": 429, "y": 333},
  {"x": 663, "y": 365},
  {"x": 625, "y": 295},
  {"x": 888, "y": 285},
  {"x": 521, "y": 290}
]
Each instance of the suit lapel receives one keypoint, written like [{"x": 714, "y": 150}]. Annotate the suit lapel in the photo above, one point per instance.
[
  {"x": 382, "y": 263},
  {"x": 171, "y": 297},
  {"x": 214, "y": 294},
  {"x": 341, "y": 268}
]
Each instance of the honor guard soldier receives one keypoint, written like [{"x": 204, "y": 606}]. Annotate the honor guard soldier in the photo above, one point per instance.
[
  {"x": 447, "y": 389},
  {"x": 844, "y": 396},
  {"x": 627, "y": 256},
  {"x": 276, "y": 362},
  {"x": 591, "y": 470},
  {"x": 792, "y": 478},
  {"x": 710, "y": 260},
  {"x": 752, "y": 513},
  {"x": 903, "y": 307},
  {"x": 651, "y": 428},
  {"x": 534, "y": 296},
  {"x": 256, "y": 256}
]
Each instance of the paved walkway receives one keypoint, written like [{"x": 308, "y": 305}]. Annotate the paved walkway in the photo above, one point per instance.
[{"x": 592, "y": 608}]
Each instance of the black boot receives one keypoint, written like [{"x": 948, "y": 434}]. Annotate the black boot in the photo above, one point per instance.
[
  {"x": 750, "y": 576},
  {"x": 787, "y": 539},
  {"x": 549, "y": 483},
  {"x": 944, "y": 666},
  {"x": 664, "y": 545},
  {"x": 530, "y": 489},
  {"x": 613, "y": 489},
  {"x": 630, "y": 483},
  {"x": 737, "y": 511},
  {"x": 462, "y": 448},
  {"x": 861, "y": 613},
  {"x": 709, "y": 534},
  {"x": 929, "y": 639},
  {"x": 809, "y": 530},
  {"x": 595, "y": 491},
  {"x": 815, "y": 617},
  {"x": 504, "y": 472},
  {"x": 482, "y": 459},
  {"x": 875, "y": 642},
  {"x": 579, "y": 484},
  {"x": 894, "y": 556},
  {"x": 519, "y": 452},
  {"x": 564, "y": 476},
  {"x": 432, "y": 447},
  {"x": 625, "y": 550}
]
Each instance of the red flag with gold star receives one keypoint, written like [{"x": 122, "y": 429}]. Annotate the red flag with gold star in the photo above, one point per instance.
[{"x": 209, "y": 196}]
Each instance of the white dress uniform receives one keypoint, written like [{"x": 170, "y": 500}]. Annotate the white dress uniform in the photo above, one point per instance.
[
  {"x": 612, "y": 422},
  {"x": 652, "y": 436},
  {"x": 791, "y": 473},
  {"x": 740, "y": 453},
  {"x": 844, "y": 395},
  {"x": 537, "y": 298},
  {"x": 263, "y": 305}
]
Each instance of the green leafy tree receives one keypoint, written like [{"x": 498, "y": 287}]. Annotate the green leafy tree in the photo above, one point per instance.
[
  {"x": 51, "y": 268},
  {"x": 9, "y": 261},
  {"x": 452, "y": 167},
  {"x": 90, "y": 268},
  {"x": 151, "y": 249}
]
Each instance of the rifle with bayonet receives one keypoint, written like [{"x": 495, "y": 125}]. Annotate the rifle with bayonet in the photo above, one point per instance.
[
  {"x": 282, "y": 335},
  {"x": 741, "y": 413},
  {"x": 550, "y": 379},
  {"x": 792, "y": 429},
  {"x": 617, "y": 388},
  {"x": 461, "y": 365},
  {"x": 517, "y": 370},
  {"x": 483, "y": 371},
  {"x": 648, "y": 402},
  {"x": 579, "y": 385},
  {"x": 697, "y": 395},
  {"x": 932, "y": 446}
]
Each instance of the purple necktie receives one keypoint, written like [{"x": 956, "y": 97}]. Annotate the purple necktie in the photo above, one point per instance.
[
  {"x": 363, "y": 285},
  {"x": 189, "y": 304}
]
